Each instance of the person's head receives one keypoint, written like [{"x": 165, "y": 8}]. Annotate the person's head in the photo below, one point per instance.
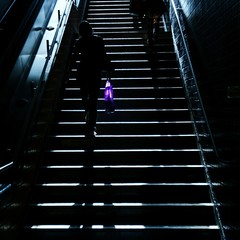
[{"x": 85, "y": 29}]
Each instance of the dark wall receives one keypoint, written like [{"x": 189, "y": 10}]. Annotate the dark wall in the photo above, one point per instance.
[{"x": 215, "y": 41}]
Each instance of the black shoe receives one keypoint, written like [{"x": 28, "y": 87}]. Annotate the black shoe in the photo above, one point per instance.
[
  {"x": 150, "y": 42},
  {"x": 91, "y": 133},
  {"x": 87, "y": 116}
]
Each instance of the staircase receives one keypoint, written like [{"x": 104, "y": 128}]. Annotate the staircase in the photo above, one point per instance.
[{"x": 141, "y": 177}]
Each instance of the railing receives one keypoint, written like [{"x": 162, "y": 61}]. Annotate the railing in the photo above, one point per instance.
[
  {"x": 180, "y": 35},
  {"x": 31, "y": 86},
  {"x": 202, "y": 129},
  {"x": 6, "y": 11},
  {"x": 40, "y": 73},
  {"x": 14, "y": 29},
  {"x": 45, "y": 58}
]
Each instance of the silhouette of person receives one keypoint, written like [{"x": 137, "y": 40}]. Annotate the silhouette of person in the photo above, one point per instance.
[
  {"x": 153, "y": 10},
  {"x": 92, "y": 58},
  {"x": 137, "y": 8}
]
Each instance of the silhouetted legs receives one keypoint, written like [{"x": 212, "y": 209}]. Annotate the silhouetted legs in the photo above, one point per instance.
[
  {"x": 90, "y": 93},
  {"x": 151, "y": 24}
]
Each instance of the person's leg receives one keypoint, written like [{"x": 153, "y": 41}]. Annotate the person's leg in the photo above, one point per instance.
[
  {"x": 149, "y": 26},
  {"x": 92, "y": 113},
  {"x": 86, "y": 106},
  {"x": 84, "y": 96},
  {"x": 156, "y": 20},
  {"x": 92, "y": 105},
  {"x": 150, "y": 30}
]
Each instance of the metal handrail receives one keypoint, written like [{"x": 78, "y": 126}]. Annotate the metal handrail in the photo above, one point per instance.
[
  {"x": 7, "y": 11},
  {"x": 193, "y": 78},
  {"x": 193, "y": 74}
]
